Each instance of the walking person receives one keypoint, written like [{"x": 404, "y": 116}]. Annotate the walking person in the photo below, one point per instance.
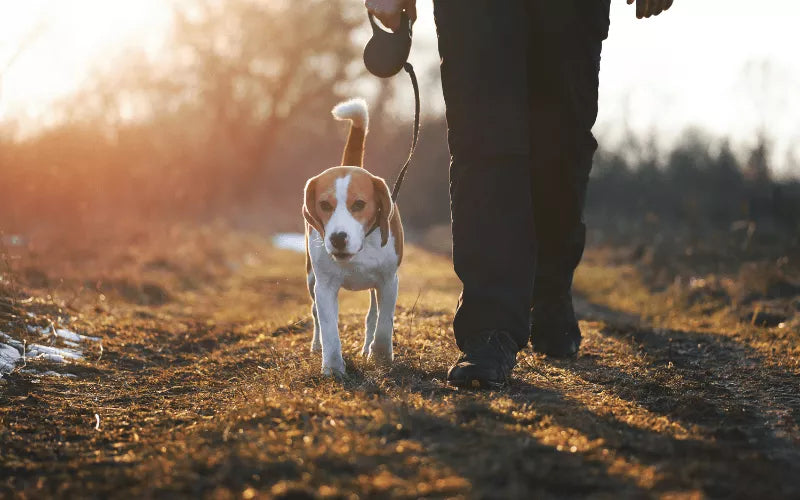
[{"x": 520, "y": 83}]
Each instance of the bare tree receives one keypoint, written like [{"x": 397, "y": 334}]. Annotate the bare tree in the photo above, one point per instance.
[
  {"x": 234, "y": 110},
  {"x": 256, "y": 65}
]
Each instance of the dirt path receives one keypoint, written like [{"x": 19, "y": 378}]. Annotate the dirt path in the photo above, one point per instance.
[{"x": 204, "y": 386}]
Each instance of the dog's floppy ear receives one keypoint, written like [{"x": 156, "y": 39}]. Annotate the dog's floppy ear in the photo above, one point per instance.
[
  {"x": 310, "y": 206},
  {"x": 385, "y": 207}
]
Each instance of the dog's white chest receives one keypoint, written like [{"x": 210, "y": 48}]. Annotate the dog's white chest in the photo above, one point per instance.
[{"x": 373, "y": 265}]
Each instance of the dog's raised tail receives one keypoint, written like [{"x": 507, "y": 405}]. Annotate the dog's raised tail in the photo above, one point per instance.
[{"x": 356, "y": 111}]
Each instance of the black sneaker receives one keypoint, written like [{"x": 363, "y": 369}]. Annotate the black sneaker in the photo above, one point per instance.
[
  {"x": 486, "y": 363},
  {"x": 554, "y": 329}
]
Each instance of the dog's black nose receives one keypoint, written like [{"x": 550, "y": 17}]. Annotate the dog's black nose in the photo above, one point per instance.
[{"x": 339, "y": 240}]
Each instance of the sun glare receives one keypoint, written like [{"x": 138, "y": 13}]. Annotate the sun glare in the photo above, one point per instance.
[{"x": 48, "y": 48}]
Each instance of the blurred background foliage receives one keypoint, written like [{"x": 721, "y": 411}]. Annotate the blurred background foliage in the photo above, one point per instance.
[{"x": 234, "y": 117}]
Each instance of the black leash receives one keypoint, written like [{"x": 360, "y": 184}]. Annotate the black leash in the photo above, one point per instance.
[
  {"x": 415, "y": 137},
  {"x": 384, "y": 55},
  {"x": 398, "y": 183}
]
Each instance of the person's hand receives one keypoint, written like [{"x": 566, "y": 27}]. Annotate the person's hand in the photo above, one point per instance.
[
  {"x": 388, "y": 11},
  {"x": 647, "y": 8}
]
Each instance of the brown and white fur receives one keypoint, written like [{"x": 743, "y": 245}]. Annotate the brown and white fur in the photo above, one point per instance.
[{"x": 340, "y": 206}]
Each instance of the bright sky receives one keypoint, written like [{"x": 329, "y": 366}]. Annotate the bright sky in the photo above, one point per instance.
[
  {"x": 684, "y": 68},
  {"x": 66, "y": 40},
  {"x": 688, "y": 66}
]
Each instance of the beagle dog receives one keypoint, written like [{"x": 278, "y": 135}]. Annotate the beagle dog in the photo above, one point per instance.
[{"x": 354, "y": 240}]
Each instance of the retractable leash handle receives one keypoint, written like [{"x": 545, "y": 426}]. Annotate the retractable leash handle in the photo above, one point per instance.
[
  {"x": 386, "y": 52},
  {"x": 385, "y": 55}
]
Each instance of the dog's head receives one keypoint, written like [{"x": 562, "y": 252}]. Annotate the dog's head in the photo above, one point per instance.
[{"x": 343, "y": 204}]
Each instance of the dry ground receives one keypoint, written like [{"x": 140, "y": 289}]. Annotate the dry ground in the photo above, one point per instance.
[{"x": 204, "y": 386}]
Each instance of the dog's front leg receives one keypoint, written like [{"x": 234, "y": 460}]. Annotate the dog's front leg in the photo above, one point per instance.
[
  {"x": 327, "y": 302},
  {"x": 381, "y": 348},
  {"x": 316, "y": 344},
  {"x": 370, "y": 322}
]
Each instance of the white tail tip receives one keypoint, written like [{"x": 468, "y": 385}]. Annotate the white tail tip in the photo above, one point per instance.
[{"x": 355, "y": 110}]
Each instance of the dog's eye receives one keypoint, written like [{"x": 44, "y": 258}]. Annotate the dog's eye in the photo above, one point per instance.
[
  {"x": 325, "y": 206},
  {"x": 357, "y": 206}
]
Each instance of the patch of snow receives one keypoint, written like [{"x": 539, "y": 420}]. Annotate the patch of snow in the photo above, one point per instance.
[
  {"x": 67, "y": 335},
  {"x": 295, "y": 242},
  {"x": 9, "y": 357},
  {"x": 66, "y": 347},
  {"x": 8, "y": 339},
  {"x": 55, "y": 354},
  {"x": 71, "y": 336},
  {"x": 41, "y": 330},
  {"x": 49, "y": 373}
]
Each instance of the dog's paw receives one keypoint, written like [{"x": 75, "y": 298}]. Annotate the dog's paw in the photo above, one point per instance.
[
  {"x": 380, "y": 353},
  {"x": 333, "y": 368}
]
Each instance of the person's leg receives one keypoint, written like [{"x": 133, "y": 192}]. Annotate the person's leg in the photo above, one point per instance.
[
  {"x": 483, "y": 45},
  {"x": 566, "y": 40}
]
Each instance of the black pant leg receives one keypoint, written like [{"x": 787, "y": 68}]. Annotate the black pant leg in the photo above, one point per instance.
[
  {"x": 566, "y": 40},
  {"x": 484, "y": 48}
]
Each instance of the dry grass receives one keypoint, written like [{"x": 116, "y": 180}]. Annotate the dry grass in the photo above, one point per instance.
[{"x": 205, "y": 387}]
